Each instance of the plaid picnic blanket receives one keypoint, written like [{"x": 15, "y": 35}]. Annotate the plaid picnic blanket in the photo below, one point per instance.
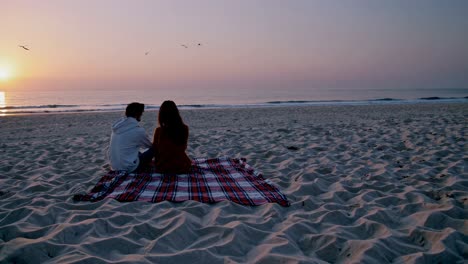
[{"x": 209, "y": 181}]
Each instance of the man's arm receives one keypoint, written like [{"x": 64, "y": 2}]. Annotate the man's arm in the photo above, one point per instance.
[{"x": 144, "y": 139}]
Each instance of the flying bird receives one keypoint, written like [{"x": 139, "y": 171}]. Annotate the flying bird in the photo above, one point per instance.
[
  {"x": 199, "y": 44},
  {"x": 146, "y": 53},
  {"x": 185, "y": 46},
  {"x": 24, "y": 47}
]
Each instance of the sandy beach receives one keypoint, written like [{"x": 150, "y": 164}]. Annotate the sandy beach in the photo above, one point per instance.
[{"x": 367, "y": 184}]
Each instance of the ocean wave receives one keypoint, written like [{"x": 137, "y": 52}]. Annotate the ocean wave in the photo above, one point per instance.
[
  {"x": 431, "y": 98},
  {"x": 330, "y": 101},
  {"x": 38, "y": 106},
  {"x": 194, "y": 105},
  {"x": 296, "y": 102},
  {"x": 70, "y": 108}
]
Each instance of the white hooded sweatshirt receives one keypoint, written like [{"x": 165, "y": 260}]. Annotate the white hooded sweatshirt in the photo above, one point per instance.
[{"x": 126, "y": 140}]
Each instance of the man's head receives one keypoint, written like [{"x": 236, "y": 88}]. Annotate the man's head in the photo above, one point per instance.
[{"x": 135, "y": 110}]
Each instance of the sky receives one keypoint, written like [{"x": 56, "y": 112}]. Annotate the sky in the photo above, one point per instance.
[{"x": 92, "y": 44}]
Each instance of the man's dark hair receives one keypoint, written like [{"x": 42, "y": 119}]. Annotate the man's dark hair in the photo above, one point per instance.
[{"x": 134, "y": 110}]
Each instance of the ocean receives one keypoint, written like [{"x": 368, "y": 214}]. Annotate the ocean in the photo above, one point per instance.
[{"x": 53, "y": 101}]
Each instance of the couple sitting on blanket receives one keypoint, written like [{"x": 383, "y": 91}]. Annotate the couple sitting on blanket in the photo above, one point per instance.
[{"x": 168, "y": 146}]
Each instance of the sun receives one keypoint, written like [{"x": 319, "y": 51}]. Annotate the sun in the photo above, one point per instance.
[{"x": 4, "y": 75}]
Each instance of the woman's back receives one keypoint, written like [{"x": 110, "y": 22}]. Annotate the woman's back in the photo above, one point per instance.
[{"x": 170, "y": 156}]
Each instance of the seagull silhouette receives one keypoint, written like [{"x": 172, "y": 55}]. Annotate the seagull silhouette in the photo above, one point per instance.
[
  {"x": 146, "y": 53},
  {"x": 185, "y": 46},
  {"x": 24, "y": 47},
  {"x": 199, "y": 44}
]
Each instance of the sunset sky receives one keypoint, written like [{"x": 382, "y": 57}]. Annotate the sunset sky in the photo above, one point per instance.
[{"x": 337, "y": 44}]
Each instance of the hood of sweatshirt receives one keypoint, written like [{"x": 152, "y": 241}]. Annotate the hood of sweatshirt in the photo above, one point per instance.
[{"x": 124, "y": 124}]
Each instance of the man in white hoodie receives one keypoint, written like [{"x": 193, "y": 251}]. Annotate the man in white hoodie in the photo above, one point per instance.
[{"x": 127, "y": 138}]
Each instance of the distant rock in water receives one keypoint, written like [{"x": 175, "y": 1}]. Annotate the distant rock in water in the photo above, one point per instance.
[
  {"x": 431, "y": 98},
  {"x": 387, "y": 99},
  {"x": 289, "y": 102}
]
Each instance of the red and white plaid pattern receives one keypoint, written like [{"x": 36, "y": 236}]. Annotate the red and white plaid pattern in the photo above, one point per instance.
[{"x": 209, "y": 181}]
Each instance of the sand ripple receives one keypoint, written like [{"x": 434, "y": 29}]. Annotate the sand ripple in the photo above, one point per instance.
[{"x": 368, "y": 184}]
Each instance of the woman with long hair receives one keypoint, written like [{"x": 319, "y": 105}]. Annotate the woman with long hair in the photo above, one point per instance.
[{"x": 170, "y": 141}]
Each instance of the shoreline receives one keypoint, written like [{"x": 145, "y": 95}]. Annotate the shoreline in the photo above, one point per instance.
[{"x": 367, "y": 184}]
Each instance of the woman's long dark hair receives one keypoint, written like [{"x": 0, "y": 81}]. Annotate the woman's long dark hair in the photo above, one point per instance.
[{"x": 171, "y": 123}]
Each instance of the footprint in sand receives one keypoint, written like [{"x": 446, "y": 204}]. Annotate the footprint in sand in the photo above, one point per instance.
[
  {"x": 324, "y": 170},
  {"x": 292, "y": 148}
]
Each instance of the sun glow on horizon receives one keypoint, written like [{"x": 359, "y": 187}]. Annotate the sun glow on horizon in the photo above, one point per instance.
[
  {"x": 2, "y": 99},
  {"x": 2, "y": 103},
  {"x": 5, "y": 74}
]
